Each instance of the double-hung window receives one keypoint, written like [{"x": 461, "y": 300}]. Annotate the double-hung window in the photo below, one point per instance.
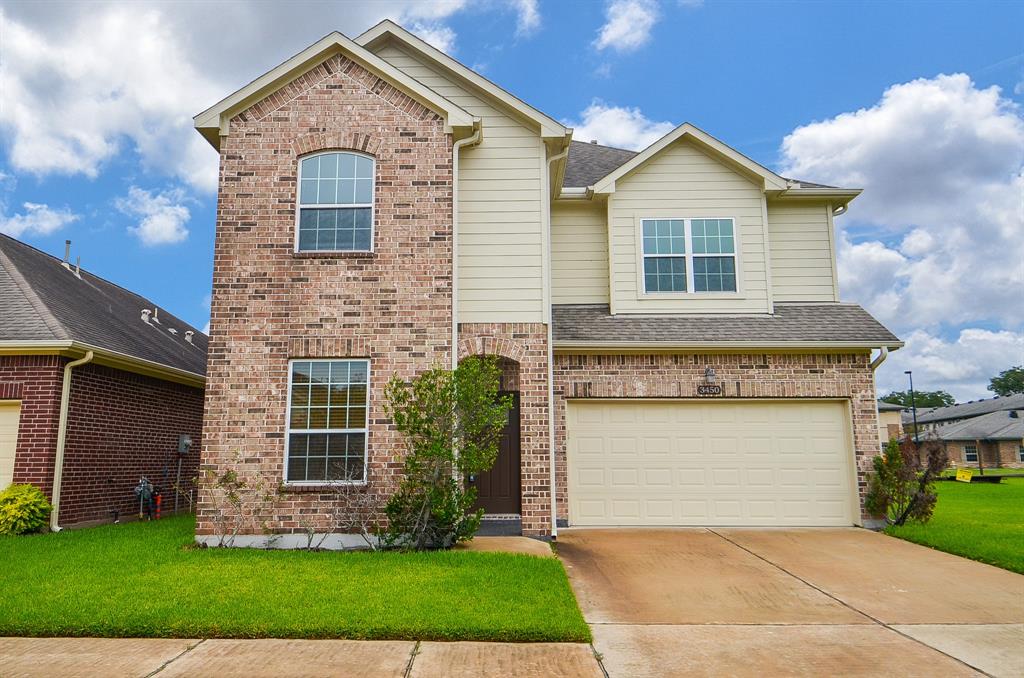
[
  {"x": 971, "y": 453},
  {"x": 335, "y": 203},
  {"x": 688, "y": 255},
  {"x": 327, "y": 425},
  {"x": 1020, "y": 452}
]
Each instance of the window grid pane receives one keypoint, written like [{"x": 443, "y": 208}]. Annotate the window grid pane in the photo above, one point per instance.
[
  {"x": 714, "y": 274},
  {"x": 328, "y": 401},
  {"x": 336, "y": 228},
  {"x": 664, "y": 236},
  {"x": 665, "y": 274}
]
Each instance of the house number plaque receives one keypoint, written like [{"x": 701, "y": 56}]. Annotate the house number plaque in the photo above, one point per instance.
[{"x": 709, "y": 389}]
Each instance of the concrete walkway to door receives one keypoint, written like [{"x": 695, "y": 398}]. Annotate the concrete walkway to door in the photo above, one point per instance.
[{"x": 808, "y": 602}]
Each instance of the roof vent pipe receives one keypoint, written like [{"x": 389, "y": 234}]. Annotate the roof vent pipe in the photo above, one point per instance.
[
  {"x": 145, "y": 315},
  {"x": 78, "y": 267},
  {"x": 67, "y": 255},
  {"x": 188, "y": 336},
  {"x": 156, "y": 314}
]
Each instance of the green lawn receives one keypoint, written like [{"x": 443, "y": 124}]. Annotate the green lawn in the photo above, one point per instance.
[
  {"x": 145, "y": 579},
  {"x": 979, "y": 520},
  {"x": 990, "y": 471}
]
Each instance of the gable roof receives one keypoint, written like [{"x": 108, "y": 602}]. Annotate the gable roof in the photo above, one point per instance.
[
  {"x": 972, "y": 408},
  {"x": 387, "y": 29},
  {"x": 1002, "y": 425},
  {"x": 214, "y": 122},
  {"x": 42, "y": 302}
]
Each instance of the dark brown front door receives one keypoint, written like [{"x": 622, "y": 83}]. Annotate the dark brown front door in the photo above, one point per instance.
[{"x": 498, "y": 489}]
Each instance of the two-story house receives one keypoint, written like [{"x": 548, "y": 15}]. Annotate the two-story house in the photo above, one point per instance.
[{"x": 669, "y": 320}]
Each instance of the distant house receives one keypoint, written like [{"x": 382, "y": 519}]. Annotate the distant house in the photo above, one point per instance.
[
  {"x": 890, "y": 424},
  {"x": 930, "y": 418},
  {"x": 97, "y": 387},
  {"x": 992, "y": 440}
]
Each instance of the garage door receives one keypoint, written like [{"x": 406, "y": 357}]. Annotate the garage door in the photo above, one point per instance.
[
  {"x": 9, "y": 414},
  {"x": 709, "y": 463}
]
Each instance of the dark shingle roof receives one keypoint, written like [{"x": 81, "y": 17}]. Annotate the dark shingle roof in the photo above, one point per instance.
[
  {"x": 1003, "y": 425},
  {"x": 589, "y": 162},
  {"x": 794, "y": 324},
  {"x": 40, "y": 300},
  {"x": 973, "y": 408}
]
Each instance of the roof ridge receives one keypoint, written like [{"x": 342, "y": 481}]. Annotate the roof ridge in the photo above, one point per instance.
[
  {"x": 611, "y": 148},
  {"x": 30, "y": 295}
]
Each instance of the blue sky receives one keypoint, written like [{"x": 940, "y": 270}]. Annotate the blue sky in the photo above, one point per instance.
[{"x": 96, "y": 143}]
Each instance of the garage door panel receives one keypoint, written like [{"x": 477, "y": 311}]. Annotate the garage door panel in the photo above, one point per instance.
[
  {"x": 751, "y": 463},
  {"x": 10, "y": 415}
]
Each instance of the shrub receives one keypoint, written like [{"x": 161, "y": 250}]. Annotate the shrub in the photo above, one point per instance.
[
  {"x": 902, "y": 487},
  {"x": 452, "y": 423},
  {"x": 23, "y": 509}
]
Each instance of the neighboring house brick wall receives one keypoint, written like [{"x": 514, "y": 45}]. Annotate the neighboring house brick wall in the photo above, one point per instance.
[
  {"x": 527, "y": 345},
  {"x": 271, "y": 305},
  {"x": 122, "y": 426},
  {"x": 994, "y": 454},
  {"x": 845, "y": 376},
  {"x": 35, "y": 380}
]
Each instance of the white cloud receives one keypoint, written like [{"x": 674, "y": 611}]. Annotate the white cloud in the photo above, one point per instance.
[
  {"x": 942, "y": 169},
  {"x": 36, "y": 220},
  {"x": 528, "y": 20},
  {"x": 162, "y": 215},
  {"x": 627, "y": 26},
  {"x": 962, "y": 366},
  {"x": 435, "y": 34},
  {"x": 618, "y": 126}
]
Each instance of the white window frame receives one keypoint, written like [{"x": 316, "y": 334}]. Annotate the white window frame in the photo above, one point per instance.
[
  {"x": 1020, "y": 452},
  {"x": 299, "y": 206},
  {"x": 288, "y": 425},
  {"x": 968, "y": 453},
  {"x": 689, "y": 257}
]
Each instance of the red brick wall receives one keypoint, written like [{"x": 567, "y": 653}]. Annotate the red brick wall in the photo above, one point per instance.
[
  {"x": 844, "y": 376},
  {"x": 1003, "y": 453},
  {"x": 270, "y": 304},
  {"x": 35, "y": 380},
  {"x": 122, "y": 426}
]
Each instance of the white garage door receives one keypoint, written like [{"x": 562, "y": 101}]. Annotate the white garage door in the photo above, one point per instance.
[
  {"x": 9, "y": 414},
  {"x": 709, "y": 463}
]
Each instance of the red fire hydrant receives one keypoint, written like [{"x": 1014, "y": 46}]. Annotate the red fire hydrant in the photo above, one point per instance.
[{"x": 159, "y": 500}]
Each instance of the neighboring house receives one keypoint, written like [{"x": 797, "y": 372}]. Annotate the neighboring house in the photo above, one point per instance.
[
  {"x": 930, "y": 418},
  {"x": 669, "y": 320},
  {"x": 96, "y": 387},
  {"x": 890, "y": 424},
  {"x": 990, "y": 440}
]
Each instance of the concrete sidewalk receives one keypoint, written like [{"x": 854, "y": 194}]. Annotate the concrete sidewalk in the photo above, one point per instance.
[{"x": 273, "y": 658}]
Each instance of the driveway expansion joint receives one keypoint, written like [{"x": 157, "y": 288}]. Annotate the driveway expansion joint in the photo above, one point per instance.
[
  {"x": 175, "y": 658},
  {"x": 412, "y": 658}
]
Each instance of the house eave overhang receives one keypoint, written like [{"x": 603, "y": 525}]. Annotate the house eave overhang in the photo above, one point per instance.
[
  {"x": 835, "y": 196},
  {"x": 103, "y": 356},
  {"x": 215, "y": 122},
  {"x": 571, "y": 346}
]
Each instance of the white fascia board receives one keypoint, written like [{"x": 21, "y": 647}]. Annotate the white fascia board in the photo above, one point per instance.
[
  {"x": 549, "y": 127},
  {"x": 214, "y": 121}
]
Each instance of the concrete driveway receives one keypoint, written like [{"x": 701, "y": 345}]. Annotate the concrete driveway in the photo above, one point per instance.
[{"x": 666, "y": 602}]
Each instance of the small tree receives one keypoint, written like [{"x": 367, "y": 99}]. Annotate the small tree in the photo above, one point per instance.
[
  {"x": 452, "y": 422},
  {"x": 902, "y": 487}
]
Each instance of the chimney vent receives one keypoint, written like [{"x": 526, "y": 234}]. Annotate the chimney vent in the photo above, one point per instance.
[
  {"x": 1014, "y": 414},
  {"x": 78, "y": 267},
  {"x": 188, "y": 336},
  {"x": 173, "y": 331},
  {"x": 156, "y": 314},
  {"x": 594, "y": 141},
  {"x": 145, "y": 315},
  {"x": 67, "y": 255}
]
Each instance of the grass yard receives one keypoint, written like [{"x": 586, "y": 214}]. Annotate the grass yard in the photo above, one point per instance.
[
  {"x": 979, "y": 520},
  {"x": 145, "y": 579}
]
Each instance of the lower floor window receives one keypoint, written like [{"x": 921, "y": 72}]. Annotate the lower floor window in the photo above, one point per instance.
[
  {"x": 970, "y": 453},
  {"x": 327, "y": 421},
  {"x": 1020, "y": 453}
]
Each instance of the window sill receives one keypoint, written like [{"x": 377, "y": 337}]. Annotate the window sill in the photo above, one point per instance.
[
  {"x": 297, "y": 488},
  {"x": 335, "y": 255}
]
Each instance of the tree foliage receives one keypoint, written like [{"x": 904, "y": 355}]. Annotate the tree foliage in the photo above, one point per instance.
[
  {"x": 902, "y": 485},
  {"x": 452, "y": 423},
  {"x": 921, "y": 398},
  {"x": 1008, "y": 382}
]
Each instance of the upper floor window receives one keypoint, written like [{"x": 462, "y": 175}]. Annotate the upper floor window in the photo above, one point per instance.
[
  {"x": 335, "y": 203},
  {"x": 689, "y": 255}
]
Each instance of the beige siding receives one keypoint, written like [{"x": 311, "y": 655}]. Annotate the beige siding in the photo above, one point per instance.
[
  {"x": 801, "y": 252},
  {"x": 579, "y": 253},
  {"x": 683, "y": 181},
  {"x": 501, "y": 239}
]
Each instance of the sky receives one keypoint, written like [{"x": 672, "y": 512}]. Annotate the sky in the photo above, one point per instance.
[{"x": 919, "y": 104}]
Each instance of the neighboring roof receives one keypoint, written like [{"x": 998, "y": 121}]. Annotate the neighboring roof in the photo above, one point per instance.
[
  {"x": 214, "y": 121},
  {"x": 588, "y": 162},
  {"x": 889, "y": 407},
  {"x": 972, "y": 408},
  {"x": 792, "y": 325},
  {"x": 1002, "y": 425},
  {"x": 42, "y": 301},
  {"x": 387, "y": 29}
]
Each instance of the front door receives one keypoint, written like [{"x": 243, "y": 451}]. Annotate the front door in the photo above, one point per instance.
[{"x": 498, "y": 489}]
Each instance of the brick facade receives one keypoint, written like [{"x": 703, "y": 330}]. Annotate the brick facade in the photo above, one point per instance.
[
  {"x": 525, "y": 344},
  {"x": 845, "y": 376},
  {"x": 270, "y": 304},
  {"x": 120, "y": 426}
]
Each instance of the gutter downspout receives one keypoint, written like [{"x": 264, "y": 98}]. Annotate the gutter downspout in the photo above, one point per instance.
[
  {"x": 883, "y": 353},
  {"x": 471, "y": 140},
  {"x": 551, "y": 358},
  {"x": 62, "y": 425}
]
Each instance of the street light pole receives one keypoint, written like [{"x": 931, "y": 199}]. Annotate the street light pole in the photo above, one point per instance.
[{"x": 913, "y": 408}]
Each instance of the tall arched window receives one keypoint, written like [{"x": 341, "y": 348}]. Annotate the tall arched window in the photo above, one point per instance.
[{"x": 335, "y": 203}]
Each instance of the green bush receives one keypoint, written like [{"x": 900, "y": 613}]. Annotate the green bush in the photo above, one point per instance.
[{"x": 23, "y": 508}]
